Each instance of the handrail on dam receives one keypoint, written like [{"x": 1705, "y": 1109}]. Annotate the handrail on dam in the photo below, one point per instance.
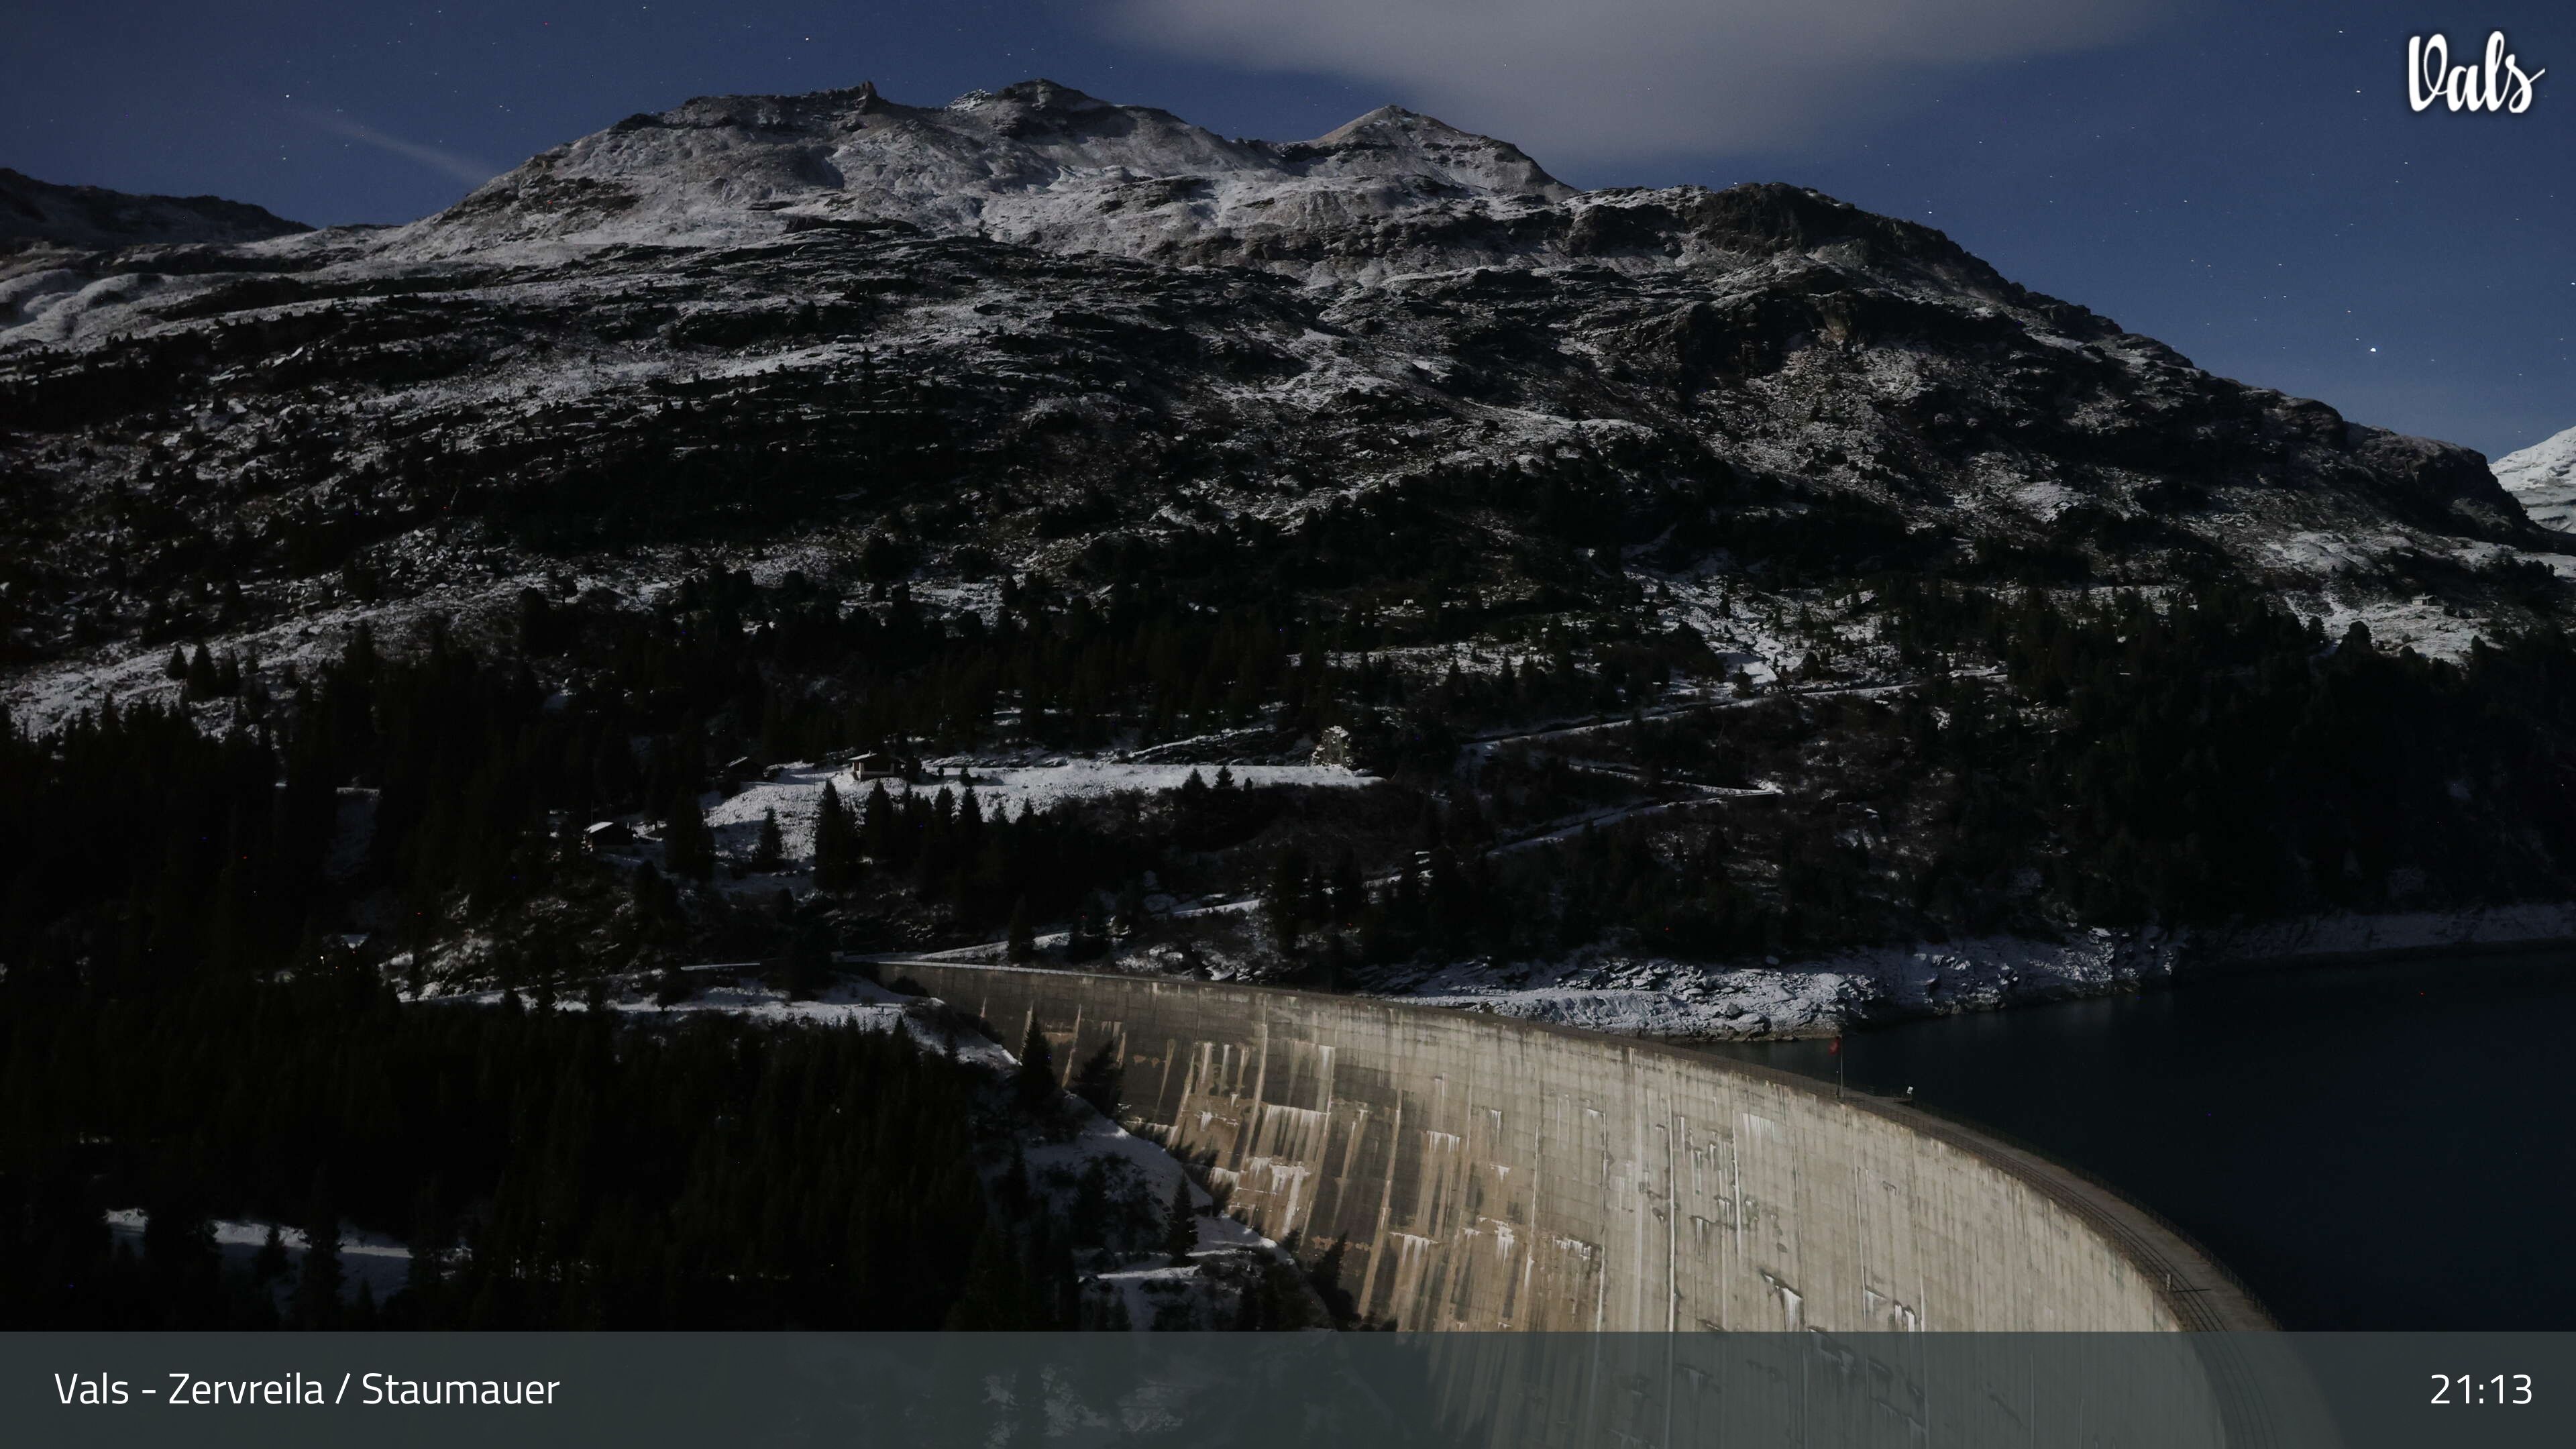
[{"x": 1492, "y": 1172}]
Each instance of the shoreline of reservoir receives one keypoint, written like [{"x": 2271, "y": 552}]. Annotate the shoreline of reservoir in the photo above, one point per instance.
[{"x": 1638, "y": 994}]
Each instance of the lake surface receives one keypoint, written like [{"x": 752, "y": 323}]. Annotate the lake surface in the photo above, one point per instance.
[{"x": 2389, "y": 1146}]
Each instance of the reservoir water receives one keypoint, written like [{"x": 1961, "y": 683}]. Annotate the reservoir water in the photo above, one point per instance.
[{"x": 2390, "y": 1146}]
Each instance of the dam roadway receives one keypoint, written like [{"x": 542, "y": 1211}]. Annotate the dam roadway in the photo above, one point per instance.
[{"x": 1489, "y": 1173}]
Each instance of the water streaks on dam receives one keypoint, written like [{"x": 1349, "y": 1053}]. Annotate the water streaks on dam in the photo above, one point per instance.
[{"x": 1497, "y": 1174}]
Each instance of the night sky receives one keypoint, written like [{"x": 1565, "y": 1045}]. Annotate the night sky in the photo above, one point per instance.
[{"x": 2244, "y": 181}]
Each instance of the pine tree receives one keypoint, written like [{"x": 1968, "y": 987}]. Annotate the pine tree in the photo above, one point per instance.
[
  {"x": 1102, "y": 1080},
  {"x": 809, "y": 963},
  {"x": 180, "y": 1256},
  {"x": 654, "y": 899},
  {"x": 1283, "y": 901},
  {"x": 688, "y": 846},
  {"x": 1350, "y": 890},
  {"x": 202, "y": 680},
  {"x": 1033, "y": 1085},
  {"x": 269, "y": 1264},
  {"x": 876, "y": 830},
  {"x": 432, "y": 1233},
  {"x": 1022, "y": 942},
  {"x": 317, "y": 1286},
  {"x": 1326, "y": 1277},
  {"x": 772, "y": 847},
  {"x": 836, "y": 846},
  {"x": 1180, "y": 1225},
  {"x": 996, "y": 1293},
  {"x": 672, "y": 987},
  {"x": 1088, "y": 1224}
]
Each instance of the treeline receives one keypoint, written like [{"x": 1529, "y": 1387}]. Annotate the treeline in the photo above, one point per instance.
[
  {"x": 2208, "y": 757},
  {"x": 2216, "y": 754},
  {"x": 548, "y": 1169},
  {"x": 553, "y": 1169},
  {"x": 174, "y": 849},
  {"x": 799, "y": 669},
  {"x": 1684, "y": 894},
  {"x": 168, "y": 849}
]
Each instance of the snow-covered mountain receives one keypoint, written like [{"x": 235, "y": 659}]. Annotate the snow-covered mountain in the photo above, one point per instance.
[
  {"x": 2542, "y": 478},
  {"x": 1036, "y": 164},
  {"x": 1025, "y": 327}
]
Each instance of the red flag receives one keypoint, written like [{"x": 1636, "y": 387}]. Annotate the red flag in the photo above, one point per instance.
[{"x": 1834, "y": 1048}]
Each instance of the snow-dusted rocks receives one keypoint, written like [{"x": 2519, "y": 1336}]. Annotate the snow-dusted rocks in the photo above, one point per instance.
[
  {"x": 2542, "y": 478},
  {"x": 1035, "y": 164},
  {"x": 919, "y": 303}
]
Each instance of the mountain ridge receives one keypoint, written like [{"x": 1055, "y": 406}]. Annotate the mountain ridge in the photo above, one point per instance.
[
  {"x": 1081, "y": 325},
  {"x": 94, "y": 218},
  {"x": 1703, "y": 575}
]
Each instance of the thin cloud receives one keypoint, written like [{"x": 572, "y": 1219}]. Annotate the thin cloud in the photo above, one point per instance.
[
  {"x": 1617, "y": 79},
  {"x": 447, "y": 163}
]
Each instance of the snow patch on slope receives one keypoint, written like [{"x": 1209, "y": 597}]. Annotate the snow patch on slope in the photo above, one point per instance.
[
  {"x": 1638, "y": 995},
  {"x": 2542, "y": 478}
]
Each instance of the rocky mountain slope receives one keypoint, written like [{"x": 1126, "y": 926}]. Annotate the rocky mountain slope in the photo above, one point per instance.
[
  {"x": 2542, "y": 478},
  {"x": 96, "y": 219},
  {"x": 1000, "y": 332},
  {"x": 1699, "y": 576}
]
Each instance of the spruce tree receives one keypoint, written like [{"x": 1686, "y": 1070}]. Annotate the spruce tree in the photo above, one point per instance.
[
  {"x": 1350, "y": 890},
  {"x": 1033, "y": 1084},
  {"x": 772, "y": 847},
  {"x": 269, "y": 1264},
  {"x": 836, "y": 852},
  {"x": 181, "y": 1259},
  {"x": 688, "y": 847},
  {"x": 1088, "y": 1224},
  {"x": 202, "y": 680},
  {"x": 1283, "y": 900},
  {"x": 672, "y": 987},
  {"x": 1326, "y": 1278},
  {"x": 996, "y": 1291},
  {"x": 1180, "y": 1225},
  {"x": 317, "y": 1286},
  {"x": 809, "y": 963},
  {"x": 876, "y": 829},
  {"x": 652, "y": 895},
  {"x": 1101, "y": 1080},
  {"x": 1022, "y": 942}
]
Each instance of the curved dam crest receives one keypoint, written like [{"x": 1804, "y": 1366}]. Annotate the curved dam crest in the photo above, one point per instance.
[{"x": 1489, "y": 1173}]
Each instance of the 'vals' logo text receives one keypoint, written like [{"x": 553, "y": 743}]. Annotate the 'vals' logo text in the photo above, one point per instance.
[{"x": 2500, "y": 85}]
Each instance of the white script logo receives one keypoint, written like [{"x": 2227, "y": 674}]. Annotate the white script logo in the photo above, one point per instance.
[{"x": 2500, "y": 85}]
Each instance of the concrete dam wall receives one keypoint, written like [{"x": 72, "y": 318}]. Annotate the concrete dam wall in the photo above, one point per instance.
[{"x": 1498, "y": 1174}]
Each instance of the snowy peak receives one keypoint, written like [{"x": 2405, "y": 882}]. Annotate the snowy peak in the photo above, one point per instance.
[
  {"x": 95, "y": 218},
  {"x": 1036, "y": 163},
  {"x": 1392, "y": 141},
  {"x": 1390, "y": 194},
  {"x": 2542, "y": 478}
]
